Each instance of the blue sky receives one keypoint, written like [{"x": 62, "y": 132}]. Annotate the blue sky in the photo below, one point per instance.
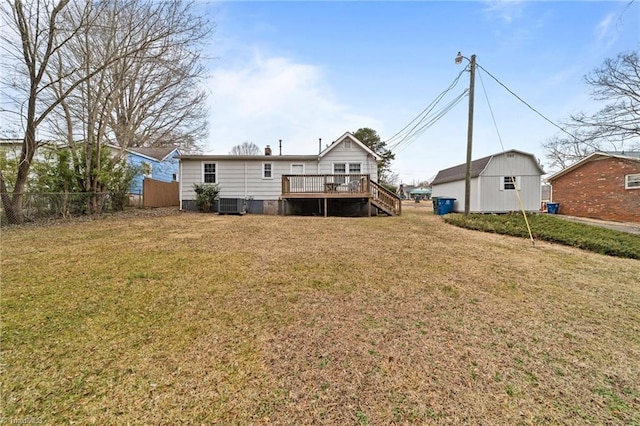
[{"x": 299, "y": 71}]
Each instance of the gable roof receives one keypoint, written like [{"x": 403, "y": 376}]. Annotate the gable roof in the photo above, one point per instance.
[
  {"x": 158, "y": 154},
  {"x": 266, "y": 158},
  {"x": 229, "y": 157},
  {"x": 459, "y": 172},
  {"x": 598, "y": 155},
  {"x": 349, "y": 135}
]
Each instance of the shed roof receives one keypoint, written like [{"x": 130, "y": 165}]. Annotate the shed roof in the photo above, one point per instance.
[
  {"x": 598, "y": 155},
  {"x": 459, "y": 172}
]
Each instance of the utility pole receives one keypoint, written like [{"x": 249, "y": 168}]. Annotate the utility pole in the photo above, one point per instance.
[
  {"x": 467, "y": 181},
  {"x": 472, "y": 82}
]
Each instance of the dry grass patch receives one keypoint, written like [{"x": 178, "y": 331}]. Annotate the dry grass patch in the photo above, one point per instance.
[{"x": 236, "y": 320}]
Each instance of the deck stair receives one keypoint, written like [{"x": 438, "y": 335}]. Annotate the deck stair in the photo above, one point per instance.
[{"x": 385, "y": 200}]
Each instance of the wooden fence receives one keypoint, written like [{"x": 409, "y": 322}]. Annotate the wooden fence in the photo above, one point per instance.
[{"x": 160, "y": 194}]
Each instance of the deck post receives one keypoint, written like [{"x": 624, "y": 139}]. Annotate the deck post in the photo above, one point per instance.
[
  {"x": 325, "y": 206},
  {"x": 369, "y": 206}
]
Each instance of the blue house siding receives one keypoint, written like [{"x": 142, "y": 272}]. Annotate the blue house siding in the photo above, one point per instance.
[{"x": 163, "y": 171}]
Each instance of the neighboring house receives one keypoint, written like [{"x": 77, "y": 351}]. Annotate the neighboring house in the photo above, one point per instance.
[
  {"x": 161, "y": 164},
  {"x": 10, "y": 150},
  {"x": 342, "y": 179},
  {"x": 494, "y": 180},
  {"x": 604, "y": 185},
  {"x": 420, "y": 193}
]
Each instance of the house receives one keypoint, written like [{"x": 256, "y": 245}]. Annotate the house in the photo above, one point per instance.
[
  {"x": 494, "y": 180},
  {"x": 604, "y": 185},
  {"x": 340, "y": 180},
  {"x": 11, "y": 148},
  {"x": 161, "y": 164},
  {"x": 420, "y": 193}
]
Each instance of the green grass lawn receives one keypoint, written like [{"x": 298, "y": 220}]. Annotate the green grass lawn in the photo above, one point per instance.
[
  {"x": 206, "y": 319},
  {"x": 554, "y": 229}
]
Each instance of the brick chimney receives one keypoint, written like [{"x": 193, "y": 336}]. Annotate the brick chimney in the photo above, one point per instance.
[{"x": 267, "y": 150}]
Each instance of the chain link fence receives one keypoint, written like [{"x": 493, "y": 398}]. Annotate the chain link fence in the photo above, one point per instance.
[{"x": 37, "y": 206}]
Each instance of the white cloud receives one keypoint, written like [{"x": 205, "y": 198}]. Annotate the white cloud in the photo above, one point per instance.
[
  {"x": 505, "y": 10},
  {"x": 271, "y": 98},
  {"x": 605, "y": 31}
]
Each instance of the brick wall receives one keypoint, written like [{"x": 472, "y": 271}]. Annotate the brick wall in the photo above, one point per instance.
[{"x": 596, "y": 190}]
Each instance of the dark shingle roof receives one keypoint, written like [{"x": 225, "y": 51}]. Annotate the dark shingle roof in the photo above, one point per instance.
[{"x": 459, "y": 172}]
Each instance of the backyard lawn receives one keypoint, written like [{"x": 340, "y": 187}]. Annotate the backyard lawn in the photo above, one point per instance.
[{"x": 205, "y": 319}]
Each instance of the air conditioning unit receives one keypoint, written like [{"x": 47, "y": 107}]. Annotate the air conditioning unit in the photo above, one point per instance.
[{"x": 232, "y": 206}]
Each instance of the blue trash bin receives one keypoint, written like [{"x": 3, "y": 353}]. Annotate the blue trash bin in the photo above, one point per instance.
[
  {"x": 445, "y": 205},
  {"x": 552, "y": 208}
]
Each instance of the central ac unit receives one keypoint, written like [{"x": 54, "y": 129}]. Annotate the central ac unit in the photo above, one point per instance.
[{"x": 232, "y": 206}]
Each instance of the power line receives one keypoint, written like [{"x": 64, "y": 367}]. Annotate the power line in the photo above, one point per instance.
[
  {"x": 409, "y": 138},
  {"x": 525, "y": 103},
  {"x": 491, "y": 110},
  {"x": 423, "y": 114}
]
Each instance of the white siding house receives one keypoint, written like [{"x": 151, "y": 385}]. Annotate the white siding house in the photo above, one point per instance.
[
  {"x": 493, "y": 183},
  {"x": 258, "y": 179}
]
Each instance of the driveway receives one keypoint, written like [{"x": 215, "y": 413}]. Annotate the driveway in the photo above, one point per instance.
[{"x": 630, "y": 227}]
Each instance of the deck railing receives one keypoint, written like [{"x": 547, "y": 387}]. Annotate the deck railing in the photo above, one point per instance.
[
  {"x": 330, "y": 184},
  {"x": 387, "y": 199}
]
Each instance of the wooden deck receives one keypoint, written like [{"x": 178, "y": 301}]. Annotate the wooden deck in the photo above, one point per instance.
[
  {"x": 344, "y": 186},
  {"x": 325, "y": 186}
]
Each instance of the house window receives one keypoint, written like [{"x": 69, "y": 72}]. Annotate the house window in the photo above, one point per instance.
[
  {"x": 339, "y": 169},
  {"x": 267, "y": 170},
  {"x": 209, "y": 173},
  {"x": 509, "y": 183},
  {"x": 632, "y": 181},
  {"x": 344, "y": 168},
  {"x": 147, "y": 170}
]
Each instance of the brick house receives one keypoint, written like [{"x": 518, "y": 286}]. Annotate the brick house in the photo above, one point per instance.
[{"x": 604, "y": 185}]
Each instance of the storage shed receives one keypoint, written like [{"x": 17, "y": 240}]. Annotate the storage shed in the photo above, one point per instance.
[{"x": 494, "y": 180}]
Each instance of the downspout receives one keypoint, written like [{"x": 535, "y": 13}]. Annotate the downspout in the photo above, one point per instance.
[
  {"x": 319, "y": 152},
  {"x": 180, "y": 182}
]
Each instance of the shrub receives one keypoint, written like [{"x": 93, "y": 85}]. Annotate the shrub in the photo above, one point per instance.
[
  {"x": 206, "y": 195},
  {"x": 554, "y": 229}
]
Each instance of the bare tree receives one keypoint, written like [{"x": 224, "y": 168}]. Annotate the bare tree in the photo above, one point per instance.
[
  {"x": 36, "y": 39},
  {"x": 616, "y": 126},
  {"x": 159, "y": 99},
  {"x": 617, "y": 82},
  {"x": 566, "y": 150},
  {"x": 149, "y": 98},
  {"x": 81, "y": 54},
  {"x": 245, "y": 148}
]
